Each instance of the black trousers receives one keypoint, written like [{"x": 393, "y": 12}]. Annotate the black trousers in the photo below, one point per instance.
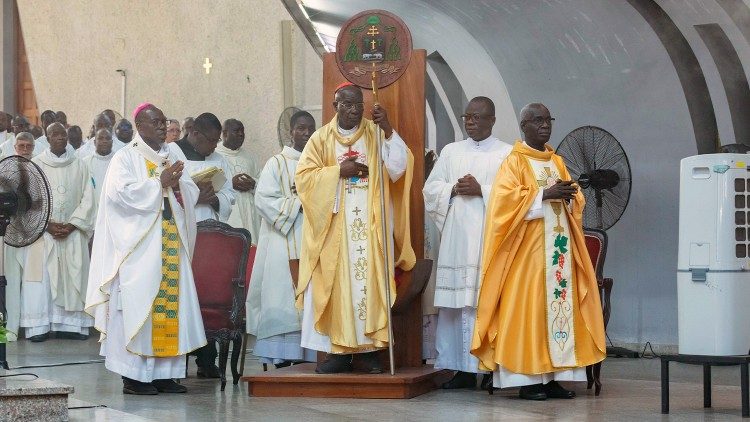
[{"x": 206, "y": 355}]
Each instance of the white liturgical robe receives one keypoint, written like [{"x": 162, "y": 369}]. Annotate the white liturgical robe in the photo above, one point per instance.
[
  {"x": 226, "y": 194},
  {"x": 243, "y": 214},
  {"x": 126, "y": 264},
  {"x": 65, "y": 262},
  {"x": 460, "y": 220},
  {"x": 271, "y": 313},
  {"x": 88, "y": 148},
  {"x": 98, "y": 165}
]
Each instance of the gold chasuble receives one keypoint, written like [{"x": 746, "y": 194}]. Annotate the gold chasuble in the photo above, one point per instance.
[
  {"x": 165, "y": 327},
  {"x": 539, "y": 309},
  {"x": 325, "y": 259}
]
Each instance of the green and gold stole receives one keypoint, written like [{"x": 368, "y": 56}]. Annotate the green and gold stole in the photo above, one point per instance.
[{"x": 164, "y": 315}]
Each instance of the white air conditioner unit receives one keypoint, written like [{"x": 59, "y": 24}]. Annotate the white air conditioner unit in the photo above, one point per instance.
[{"x": 713, "y": 280}]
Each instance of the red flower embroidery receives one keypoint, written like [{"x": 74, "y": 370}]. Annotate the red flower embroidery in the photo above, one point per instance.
[
  {"x": 564, "y": 293},
  {"x": 558, "y": 275},
  {"x": 561, "y": 260}
]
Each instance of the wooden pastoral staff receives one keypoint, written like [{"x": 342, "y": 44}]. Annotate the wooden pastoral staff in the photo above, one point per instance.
[{"x": 374, "y": 51}]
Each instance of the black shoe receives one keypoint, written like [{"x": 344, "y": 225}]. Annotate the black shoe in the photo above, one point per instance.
[
  {"x": 131, "y": 386},
  {"x": 532, "y": 392},
  {"x": 282, "y": 364},
  {"x": 370, "y": 362},
  {"x": 208, "y": 372},
  {"x": 335, "y": 364},
  {"x": 39, "y": 338},
  {"x": 556, "y": 391},
  {"x": 168, "y": 386},
  {"x": 77, "y": 336},
  {"x": 66, "y": 335},
  {"x": 462, "y": 380}
]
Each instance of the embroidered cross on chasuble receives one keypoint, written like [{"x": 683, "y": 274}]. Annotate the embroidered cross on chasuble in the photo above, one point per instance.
[{"x": 164, "y": 314}]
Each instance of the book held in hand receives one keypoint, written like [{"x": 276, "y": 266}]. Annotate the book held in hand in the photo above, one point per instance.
[{"x": 213, "y": 174}]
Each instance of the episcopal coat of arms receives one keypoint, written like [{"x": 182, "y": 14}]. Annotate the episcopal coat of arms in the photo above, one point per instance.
[{"x": 373, "y": 40}]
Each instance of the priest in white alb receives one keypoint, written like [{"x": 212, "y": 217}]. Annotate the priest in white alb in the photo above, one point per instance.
[
  {"x": 456, "y": 195},
  {"x": 141, "y": 288},
  {"x": 98, "y": 162},
  {"x": 199, "y": 151},
  {"x": 101, "y": 121},
  {"x": 245, "y": 173},
  {"x": 272, "y": 317},
  {"x": 21, "y": 124},
  {"x": 53, "y": 293}
]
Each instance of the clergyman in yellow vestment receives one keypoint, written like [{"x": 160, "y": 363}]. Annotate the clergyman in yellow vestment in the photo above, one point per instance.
[
  {"x": 341, "y": 273},
  {"x": 539, "y": 317}
]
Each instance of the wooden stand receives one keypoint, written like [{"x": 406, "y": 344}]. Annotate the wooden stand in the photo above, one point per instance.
[
  {"x": 302, "y": 381},
  {"x": 404, "y": 102}
]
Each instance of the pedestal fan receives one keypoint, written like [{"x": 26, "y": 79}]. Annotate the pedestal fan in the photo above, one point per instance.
[
  {"x": 597, "y": 162},
  {"x": 25, "y": 206},
  {"x": 283, "y": 126}
]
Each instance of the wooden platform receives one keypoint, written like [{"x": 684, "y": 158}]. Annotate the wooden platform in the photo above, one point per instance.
[{"x": 302, "y": 381}]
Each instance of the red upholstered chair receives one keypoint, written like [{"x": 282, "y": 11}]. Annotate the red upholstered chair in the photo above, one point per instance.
[
  {"x": 596, "y": 244},
  {"x": 219, "y": 267},
  {"x": 248, "y": 274}
]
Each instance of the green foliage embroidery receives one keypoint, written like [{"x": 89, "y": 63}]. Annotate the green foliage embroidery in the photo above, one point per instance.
[
  {"x": 561, "y": 242},
  {"x": 352, "y": 53}
]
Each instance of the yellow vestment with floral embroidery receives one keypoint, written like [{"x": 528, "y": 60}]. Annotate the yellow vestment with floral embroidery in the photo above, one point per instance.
[{"x": 539, "y": 309}]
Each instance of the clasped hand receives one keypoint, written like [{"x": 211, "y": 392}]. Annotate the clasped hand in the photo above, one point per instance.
[
  {"x": 563, "y": 189},
  {"x": 351, "y": 168},
  {"x": 60, "y": 230},
  {"x": 467, "y": 186},
  {"x": 243, "y": 182}
]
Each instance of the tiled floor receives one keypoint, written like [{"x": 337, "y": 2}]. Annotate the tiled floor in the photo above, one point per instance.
[{"x": 631, "y": 393}]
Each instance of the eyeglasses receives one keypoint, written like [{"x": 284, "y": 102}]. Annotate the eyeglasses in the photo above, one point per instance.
[
  {"x": 351, "y": 106},
  {"x": 475, "y": 117},
  {"x": 538, "y": 120},
  {"x": 158, "y": 122},
  {"x": 212, "y": 141}
]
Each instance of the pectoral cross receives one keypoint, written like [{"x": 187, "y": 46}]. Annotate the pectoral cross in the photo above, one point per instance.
[
  {"x": 547, "y": 180},
  {"x": 208, "y": 65}
]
